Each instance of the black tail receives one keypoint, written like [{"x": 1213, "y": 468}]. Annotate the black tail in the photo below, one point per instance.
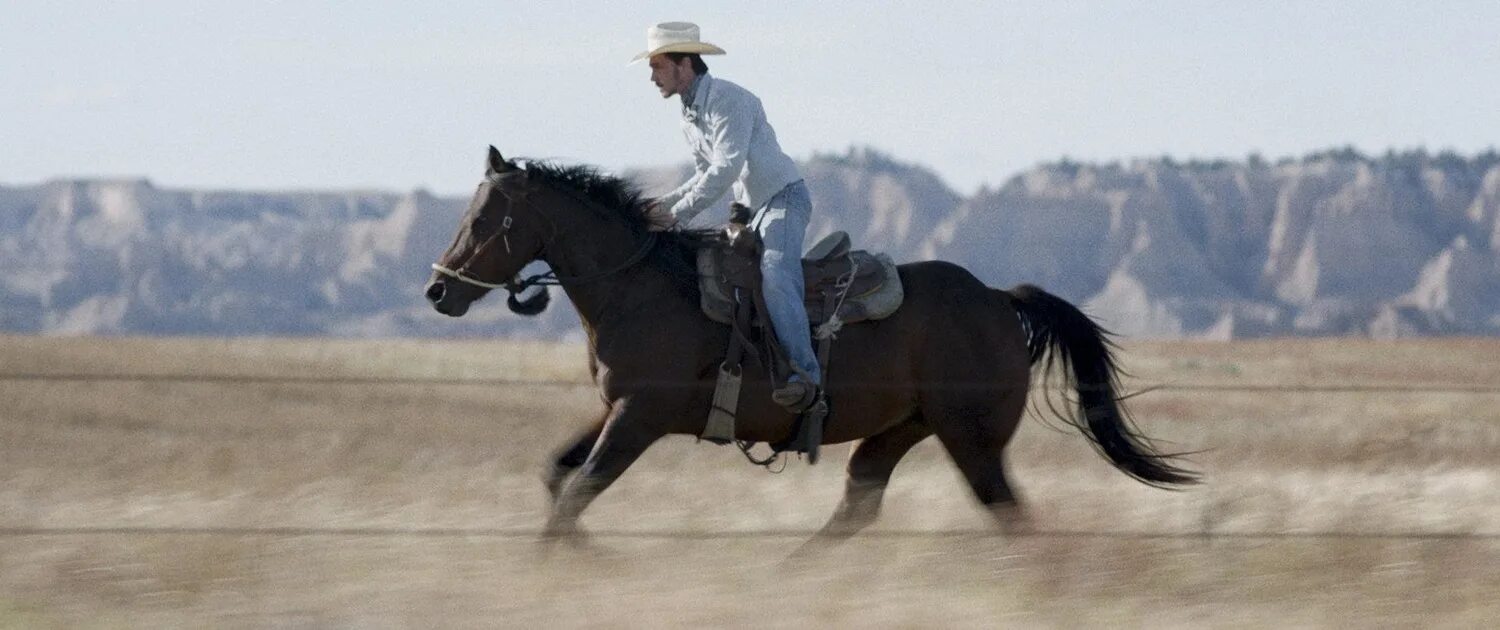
[{"x": 1060, "y": 332}]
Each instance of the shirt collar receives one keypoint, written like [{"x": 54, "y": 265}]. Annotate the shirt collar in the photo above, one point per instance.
[{"x": 696, "y": 94}]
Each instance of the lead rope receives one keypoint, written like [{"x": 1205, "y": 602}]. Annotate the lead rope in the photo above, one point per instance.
[{"x": 830, "y": 328}]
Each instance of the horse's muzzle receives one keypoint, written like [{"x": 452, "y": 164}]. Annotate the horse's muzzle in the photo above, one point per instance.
[{"x": 438, "y": 294}]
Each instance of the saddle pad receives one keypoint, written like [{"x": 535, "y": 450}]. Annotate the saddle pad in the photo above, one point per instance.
[{"x": 876, "y": 302}]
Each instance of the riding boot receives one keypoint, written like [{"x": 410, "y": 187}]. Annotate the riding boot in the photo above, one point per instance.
[{"x": 795, "y": 396}]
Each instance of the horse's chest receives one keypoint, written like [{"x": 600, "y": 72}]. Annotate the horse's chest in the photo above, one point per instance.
[
  {"x": 616, "y": 379},
  {"x": 645, "y": 371}
]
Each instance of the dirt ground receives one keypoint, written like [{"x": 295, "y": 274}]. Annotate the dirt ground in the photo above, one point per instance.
[{"x": 334, "y": 484}]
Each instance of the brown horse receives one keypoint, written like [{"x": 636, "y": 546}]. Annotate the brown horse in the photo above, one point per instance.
[{"x": 955, "y": 361}]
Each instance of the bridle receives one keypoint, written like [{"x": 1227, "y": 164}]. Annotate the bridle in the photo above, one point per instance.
[{"x": 550, "y": 278}]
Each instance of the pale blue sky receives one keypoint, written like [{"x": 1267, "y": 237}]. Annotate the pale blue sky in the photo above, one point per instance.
[{"x": 393, "y": 95}]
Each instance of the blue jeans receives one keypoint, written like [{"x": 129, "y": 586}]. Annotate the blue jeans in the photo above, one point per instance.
[{"x": 782, "y": 224}]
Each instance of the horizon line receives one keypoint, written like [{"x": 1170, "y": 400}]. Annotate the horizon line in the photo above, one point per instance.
[{"x": 1342, "y": 152}]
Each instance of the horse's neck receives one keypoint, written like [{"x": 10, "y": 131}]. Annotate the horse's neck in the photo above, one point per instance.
[
  {"x": 622, "y": 302},
  {"x": 627, "y": 316}
]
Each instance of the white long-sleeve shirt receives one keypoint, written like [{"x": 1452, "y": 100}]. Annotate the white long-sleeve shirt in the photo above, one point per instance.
[{"x": 733, "y": 146}]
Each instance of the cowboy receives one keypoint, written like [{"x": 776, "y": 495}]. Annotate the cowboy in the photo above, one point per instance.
[{"x": 733, "y": 145}]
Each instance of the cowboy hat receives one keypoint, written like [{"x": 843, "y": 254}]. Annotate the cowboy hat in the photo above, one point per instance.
[{"x": 675, "y": 37}]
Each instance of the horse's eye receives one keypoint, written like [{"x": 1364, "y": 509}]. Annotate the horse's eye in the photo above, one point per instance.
[{"x": 480, "y": 221}]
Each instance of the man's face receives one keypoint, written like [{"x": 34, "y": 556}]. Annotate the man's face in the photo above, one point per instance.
[{"x": 671, "y": 78}]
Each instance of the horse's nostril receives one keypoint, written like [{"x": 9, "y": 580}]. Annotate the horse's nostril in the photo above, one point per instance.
[{"x": 436, "y": 291}]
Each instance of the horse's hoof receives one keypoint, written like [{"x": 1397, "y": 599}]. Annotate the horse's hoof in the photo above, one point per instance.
[
  {"x": 561, "y": 529},
  {"x": 1011, "y": 518},
  {"x": 846, "y": 525},
  {"x": 554, "y": 482}
]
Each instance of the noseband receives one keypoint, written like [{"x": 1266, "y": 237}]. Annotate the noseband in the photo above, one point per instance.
[
  {"x": 462, "y": 273},
  {"x": 550, "y": 278}
]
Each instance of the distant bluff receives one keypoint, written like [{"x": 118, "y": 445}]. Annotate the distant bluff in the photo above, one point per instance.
[{"x": 1333, "y": 243}]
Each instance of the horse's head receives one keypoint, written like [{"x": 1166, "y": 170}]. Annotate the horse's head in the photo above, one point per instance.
[{"x": 500, "y": 233}]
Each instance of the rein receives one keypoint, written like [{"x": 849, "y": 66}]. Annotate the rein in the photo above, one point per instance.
[{"x": 550, "y": 278}]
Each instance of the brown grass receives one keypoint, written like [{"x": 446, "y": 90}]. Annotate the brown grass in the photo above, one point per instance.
[{"x": 112, "y": 491}]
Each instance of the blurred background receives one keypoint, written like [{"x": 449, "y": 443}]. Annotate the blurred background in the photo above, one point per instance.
[{"x": 223, "y": 401}]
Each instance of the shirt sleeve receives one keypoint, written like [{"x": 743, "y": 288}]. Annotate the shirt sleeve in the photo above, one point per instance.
[
  {"x": 730, "y": 137},
  {"x": 670, "y": 199}
]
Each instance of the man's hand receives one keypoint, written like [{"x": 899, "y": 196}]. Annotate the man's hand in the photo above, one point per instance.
[
  {"x": 659, "y": 219},
  {"x": 739, "y": 213}
]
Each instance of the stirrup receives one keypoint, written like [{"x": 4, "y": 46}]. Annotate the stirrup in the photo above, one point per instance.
[{"x": 811, "y": 435}]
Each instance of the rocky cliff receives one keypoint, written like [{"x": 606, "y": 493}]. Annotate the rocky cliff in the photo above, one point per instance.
[{"x": 1334, "y": 243}]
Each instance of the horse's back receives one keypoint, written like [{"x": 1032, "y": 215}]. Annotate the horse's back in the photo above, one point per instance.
[
  {"x": 947, "y": 313},
  {"x": 961, "y": 317}
]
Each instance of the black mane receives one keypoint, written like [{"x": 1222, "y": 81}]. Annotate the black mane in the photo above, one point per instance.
[
  {"x": 606, "y": 190},
  {"x": 675, "y": 252}
]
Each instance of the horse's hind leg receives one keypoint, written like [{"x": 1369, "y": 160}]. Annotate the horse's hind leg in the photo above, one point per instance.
[
  {"x": 870, "y": 469},
  {"x": 572, "y": 456},
  {"x": 974, "y": 435}
]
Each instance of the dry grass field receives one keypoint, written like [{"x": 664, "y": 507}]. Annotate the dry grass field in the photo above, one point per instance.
[{"x": 333, "y": 484}]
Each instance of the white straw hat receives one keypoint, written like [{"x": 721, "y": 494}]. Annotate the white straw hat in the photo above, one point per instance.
[{"x": 675, "y": 37}]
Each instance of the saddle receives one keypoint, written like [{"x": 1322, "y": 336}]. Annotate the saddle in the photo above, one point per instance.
[{"x": 841, "y": 287}]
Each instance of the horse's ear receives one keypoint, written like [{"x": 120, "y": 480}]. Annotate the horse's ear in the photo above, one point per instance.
[{"x": 496, "y": 163}]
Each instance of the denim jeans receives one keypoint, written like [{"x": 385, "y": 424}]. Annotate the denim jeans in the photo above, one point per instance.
[{"x": 782, "y": 224}]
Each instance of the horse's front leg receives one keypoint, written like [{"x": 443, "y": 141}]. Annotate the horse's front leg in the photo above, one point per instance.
[
  {"x": 626, "y": 434},
  {"x": 572, "y": 455}
]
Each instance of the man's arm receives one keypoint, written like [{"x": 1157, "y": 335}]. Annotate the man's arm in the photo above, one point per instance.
[
  {"x": 670, "y": 199},
  {"x": 730, "y": 133}
]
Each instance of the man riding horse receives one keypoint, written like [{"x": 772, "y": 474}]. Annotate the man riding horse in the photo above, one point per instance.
[
  {"x": 952, "y": 358},
  {"x": 734, "y": 146}
]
